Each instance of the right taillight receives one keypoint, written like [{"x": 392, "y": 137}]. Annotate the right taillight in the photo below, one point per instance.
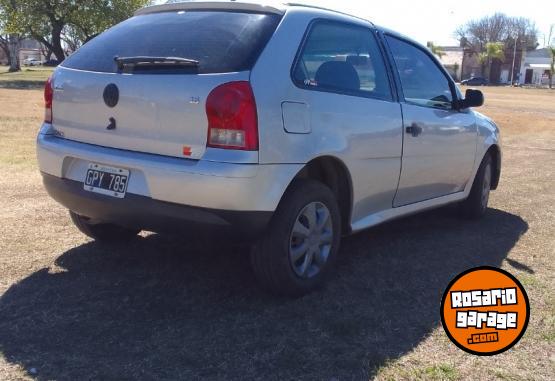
[
  {"x": 232, "y": 118},
  {"x": 48, "y": 98}
]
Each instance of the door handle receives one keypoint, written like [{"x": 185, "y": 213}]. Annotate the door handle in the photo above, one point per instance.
[{"x": 414, "y": 129}]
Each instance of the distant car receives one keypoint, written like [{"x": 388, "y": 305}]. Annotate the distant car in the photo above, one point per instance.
[
  {"x": 475, "y": 81},
  {"x": 31, "y": 62},
  {"x": 51, "y": 63}
]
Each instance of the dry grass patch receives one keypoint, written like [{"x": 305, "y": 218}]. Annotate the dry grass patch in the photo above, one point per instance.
[
  {"x": 166, "y": 307},
  {"x": 28, "y": 78}
]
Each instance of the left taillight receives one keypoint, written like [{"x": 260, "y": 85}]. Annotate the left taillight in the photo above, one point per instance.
[
  {"x": 48, "y": 98},
  {"x": 232, "y": 117}
]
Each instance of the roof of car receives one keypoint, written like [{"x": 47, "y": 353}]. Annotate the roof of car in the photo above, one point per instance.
[
  {"x": 265, "y": 6},
  {"x": 243, "y": 5},
  {"x": 214, "y": 5}
]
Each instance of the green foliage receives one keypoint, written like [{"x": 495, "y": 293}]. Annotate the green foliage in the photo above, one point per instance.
[
  {"x": 54, "y": 21},
  {"x": 95, "y": 16},
  {"x": 495, "y": 50}
]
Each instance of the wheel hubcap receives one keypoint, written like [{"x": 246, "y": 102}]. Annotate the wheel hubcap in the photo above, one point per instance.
[
  {"x": 486, "y": 185},
  {"x": 311, "y": 239}
]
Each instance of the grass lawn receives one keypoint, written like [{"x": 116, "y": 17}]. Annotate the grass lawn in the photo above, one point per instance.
[
  {"x": 167, "y": 307},
  {"x": 28, "y": 78}
]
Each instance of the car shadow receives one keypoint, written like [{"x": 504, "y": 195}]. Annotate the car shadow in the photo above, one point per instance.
[{"x": 166, "y": 307}]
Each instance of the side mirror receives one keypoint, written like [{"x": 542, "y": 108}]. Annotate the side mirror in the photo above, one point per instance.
[{"x": 472, "y": 98}]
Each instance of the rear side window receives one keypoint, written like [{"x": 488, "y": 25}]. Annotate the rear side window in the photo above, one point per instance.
[
  {"x": 221, "y": 41},
  {"x": 342, "y": 58}
]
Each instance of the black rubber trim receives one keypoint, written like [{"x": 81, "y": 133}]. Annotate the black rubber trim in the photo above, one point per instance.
[{"x": 145, "y": 213}]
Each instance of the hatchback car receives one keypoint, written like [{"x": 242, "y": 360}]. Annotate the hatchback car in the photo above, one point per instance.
[{"x": 288, "y": 126}]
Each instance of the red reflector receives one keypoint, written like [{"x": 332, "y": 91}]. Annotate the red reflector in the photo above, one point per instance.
[
  {"x": 48, "y": 99},
  {"x": 232, "y": 118}
]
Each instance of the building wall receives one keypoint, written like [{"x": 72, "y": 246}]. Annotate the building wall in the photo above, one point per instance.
[
  {"x": 538, "y": 74},
  {"x": 452, "y": 60},
  {"x": 471, "y": 67},
  {"x": 30, "y": 53}
]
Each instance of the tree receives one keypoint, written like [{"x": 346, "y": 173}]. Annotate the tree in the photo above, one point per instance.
[
  {"x": 4, "y": 37},
  {"x": 552, "y": 66},
  {"x": 498, "y": 29},
  {"x": 57, "y": 22},
  {"x": 551, "y": 47},
  {"x": 494, "y": 50},
  {"x": 9, "y": 43},
  {"x": 95, "y": 16},
  {"x": 436, "y": 50},
  {"x": 13, "y": 43}
]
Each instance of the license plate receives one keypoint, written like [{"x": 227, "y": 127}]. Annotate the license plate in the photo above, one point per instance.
[{"x": 106, "y": 180}]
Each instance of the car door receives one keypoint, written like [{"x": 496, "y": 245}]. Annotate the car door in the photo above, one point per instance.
[
  {"x": 345, "y": 87},
  {"x": 439, "y": 144}
]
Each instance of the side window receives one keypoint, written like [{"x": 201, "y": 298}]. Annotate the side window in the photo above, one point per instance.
[
  {"x": 422, "y": 81},
  {"x": 343, "y": 58}
]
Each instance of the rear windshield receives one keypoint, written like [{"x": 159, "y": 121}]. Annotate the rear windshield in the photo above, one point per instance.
[{"x": 222, "y": 42}]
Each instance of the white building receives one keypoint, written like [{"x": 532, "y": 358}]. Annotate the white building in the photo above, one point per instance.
[
  {"x": 452, "y": 59},
  {"x": 535, "y": 66}
]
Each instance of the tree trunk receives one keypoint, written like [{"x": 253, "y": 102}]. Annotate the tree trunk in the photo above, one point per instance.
[
  {"x": 6, "y": 48},
  {"x": 57, "y": 48},
  {"x": 14, "y": 53}
]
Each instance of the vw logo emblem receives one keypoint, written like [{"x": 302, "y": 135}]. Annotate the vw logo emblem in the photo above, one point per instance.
[{"x": 111, "y": 95}]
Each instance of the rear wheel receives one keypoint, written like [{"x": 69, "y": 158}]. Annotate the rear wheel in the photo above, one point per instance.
[
  {"x": 103, "y": 232},
  {"x": 476, "y": 204},
  {"x": 301, "y": 245}
]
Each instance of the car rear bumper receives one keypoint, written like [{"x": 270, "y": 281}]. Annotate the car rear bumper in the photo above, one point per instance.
[
  {"x": 198, "y": 190},
  {"x": 142, "y": 212}
]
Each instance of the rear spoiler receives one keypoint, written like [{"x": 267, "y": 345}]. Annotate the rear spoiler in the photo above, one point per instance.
[{"x": 211, "y": 5}]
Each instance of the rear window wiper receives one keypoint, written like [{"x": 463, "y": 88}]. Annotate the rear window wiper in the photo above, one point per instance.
[{"x": 148, "y": 61}]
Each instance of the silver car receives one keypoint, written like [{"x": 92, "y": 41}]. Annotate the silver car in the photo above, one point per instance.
[{"x": 288, "y": 126}]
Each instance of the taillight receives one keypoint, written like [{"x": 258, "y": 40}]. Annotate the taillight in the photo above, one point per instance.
[
  {"x": 48, "y": 97},
  {"x": 232, "y": 118}
]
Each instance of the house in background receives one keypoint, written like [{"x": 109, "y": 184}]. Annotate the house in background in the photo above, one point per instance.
[
  {"x": 461, "y": 63},
  {"x": 535, "y": 67},
  {"x": 30, "y": 49},
  {"x": 467, "y": 64},
  {"x": 452, "y": 60}
]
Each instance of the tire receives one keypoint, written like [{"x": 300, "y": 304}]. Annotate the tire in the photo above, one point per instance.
[
  {"x": 291, "y": 233},
  {"x": 476, "y": 204},
  {"x": 103, "y": 232}
]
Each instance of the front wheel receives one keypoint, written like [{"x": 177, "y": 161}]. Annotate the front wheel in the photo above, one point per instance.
[
  {"x": 476, "y": 204},
  {"x": 302, "y": 242},
  {"x": 103, "y": 232}
]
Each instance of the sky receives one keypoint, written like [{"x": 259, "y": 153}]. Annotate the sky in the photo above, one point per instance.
[{"x": 436, "y": 20}]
